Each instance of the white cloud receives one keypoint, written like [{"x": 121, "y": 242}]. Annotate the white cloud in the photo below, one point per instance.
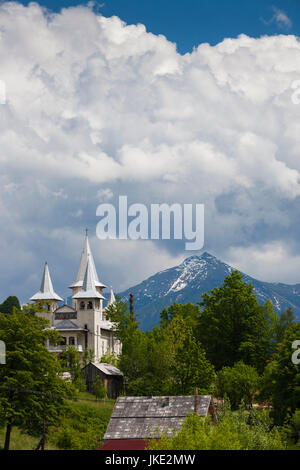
[
  {"x": 266, "y": 262},
  {"x": 96, "y": 108},
  {"x": 280, "y": 18}
]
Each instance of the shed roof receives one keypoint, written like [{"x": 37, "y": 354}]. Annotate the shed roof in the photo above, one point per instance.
[
  {"x": 146, "y": 417},
  {"x": 107, "y": 369}
]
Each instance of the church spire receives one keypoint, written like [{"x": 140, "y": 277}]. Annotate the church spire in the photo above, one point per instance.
[
  {"x": 46, "y": 291},
  {"x": 112, "y": 298},
  {"x": 88, "y": 287},
  {"x": 85, "y": 255}
]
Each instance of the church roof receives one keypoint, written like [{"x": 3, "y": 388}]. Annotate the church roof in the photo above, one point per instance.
[
  {"x": 67, "y": 325},
  {"x": 112, "y": 298},
  {"x": 86, "y": 254},
  {"x": 46, "y": 291},
  {"x": 89, "y": 285}
]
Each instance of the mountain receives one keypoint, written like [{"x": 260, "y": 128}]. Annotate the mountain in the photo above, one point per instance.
[{"x": 194, "y": 276}]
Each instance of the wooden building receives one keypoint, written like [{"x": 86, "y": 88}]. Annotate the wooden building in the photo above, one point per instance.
[
  {"x": 111, "y": 376},
  {"x": 135, "y": 420}
]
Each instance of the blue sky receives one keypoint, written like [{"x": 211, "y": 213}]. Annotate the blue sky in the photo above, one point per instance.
[
  {"x": 191, "y": 22},
  {"x": 98, "y": 104}
]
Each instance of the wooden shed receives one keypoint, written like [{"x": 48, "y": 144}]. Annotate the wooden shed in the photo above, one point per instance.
[
  {"x": 138, "y": 419},
  {"x": 111, "y": 376}
]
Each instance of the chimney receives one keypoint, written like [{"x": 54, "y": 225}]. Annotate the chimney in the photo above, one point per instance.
[
  {"x": 166, "y": 402},
  {"x": 196, "y": 400}
]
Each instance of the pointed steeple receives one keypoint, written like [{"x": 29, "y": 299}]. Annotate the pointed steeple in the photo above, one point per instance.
[
  {"x": 46, "y": 291},
  {"x": 89, "y": 284},
  {"x": 112, "y": 298},
  {"x": 86, "y": 253}
]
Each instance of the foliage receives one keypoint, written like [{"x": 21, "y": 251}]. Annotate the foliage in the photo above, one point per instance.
[
  {"x": 189, "y": 367},
  {"x": 188, "y": 312},
  {"x": 10, "y": 304},
  {"x": 167, "y": 360},
  {"x": 109, "y": 359},
  {"x": 83, "y": 428},
  {"x": 235, "y": 431},
  {"x": 88, "y": 356},
  {"x": 239, "y": 383},
  {"x": 281, "y": 379},
  {"x": 99, "y": 388},
  {"x": 232, "y": 326},
  {"x": 31, "y": 391},
  {"x": 70, "y": 361}
]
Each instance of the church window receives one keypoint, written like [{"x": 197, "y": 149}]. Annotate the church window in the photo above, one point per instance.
[
  {"x": 82, "y": 305},
  {"x": 90, "y": 305}
]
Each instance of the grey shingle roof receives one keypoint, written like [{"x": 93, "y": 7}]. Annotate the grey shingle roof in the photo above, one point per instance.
[
  {"x": 107, "y": 369},
  {"x": 145, "y": 417},
  {"x": 67, "y": 325}
]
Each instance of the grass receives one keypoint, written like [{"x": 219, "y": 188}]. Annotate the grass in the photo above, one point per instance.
[
  {"x": 22, "y": 441},
  {"x": 82, "y": 427}
]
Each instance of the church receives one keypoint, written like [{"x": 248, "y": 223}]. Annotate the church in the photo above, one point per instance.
[{"x": 83, "y": 325}]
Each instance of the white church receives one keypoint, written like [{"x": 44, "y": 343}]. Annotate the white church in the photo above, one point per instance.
[{"x": 84, "y": 325}]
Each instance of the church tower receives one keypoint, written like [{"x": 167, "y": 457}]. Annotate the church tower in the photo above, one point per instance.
[
  {"x": 47, "y": 294},
  {"x": 86, "y": 256},
  {"x": 84, "y": 325}
]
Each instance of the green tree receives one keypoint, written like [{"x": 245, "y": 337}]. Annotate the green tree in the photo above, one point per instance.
[
  {"x": 189, "y": 367},
  {"x": 239, "y": 383},
  {"x": 281, "y": 378},
  {"x": 109, "y": 359},
  {"x": 9, "y": 304},
  {"x": 285, "y": 321},
  {"x": 99, "y": 388},
  {"x": 70, "y": 361},
  {"x": 88, "y": 356},
  {"x": 188, "y": 312},
  {"x": 232, "y": 325},
  {"x": 31, "y": 391}
]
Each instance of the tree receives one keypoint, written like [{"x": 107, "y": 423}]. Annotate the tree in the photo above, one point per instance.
[
  {"x": 239, "y": 383},
  {"x": 281, "y": 379},
  {"x": 88, "y": 356},
  {"x": 188, "y": 312},
  {"x": 286, "y": 320},
  {"x": 99, "y": 388},
  {"x": 9, "y": 304},
  {"x": 70, "y": 361},
  {"x": 189, "y": 367},
  {"x": 232, "y": 325},
  {"x": 31, "y": 391},
  {"x": 108, "y": 358}
]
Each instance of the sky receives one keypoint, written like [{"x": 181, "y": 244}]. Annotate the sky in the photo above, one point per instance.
[{"x": 177, "y": 102}]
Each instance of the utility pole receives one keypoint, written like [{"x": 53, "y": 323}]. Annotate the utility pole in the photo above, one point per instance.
[
  {"x": 41, "y": 444},
  {"x": 196, "y": 400},
  {"x": 131, "y": 304}
]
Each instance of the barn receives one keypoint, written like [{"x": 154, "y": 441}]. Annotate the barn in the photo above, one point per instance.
[
  {"x": 110, "y": 375},
  {"x": 135, "y": 420}
]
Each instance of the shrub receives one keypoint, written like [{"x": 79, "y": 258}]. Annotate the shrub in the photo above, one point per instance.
[{"x": 239, "y": 383}]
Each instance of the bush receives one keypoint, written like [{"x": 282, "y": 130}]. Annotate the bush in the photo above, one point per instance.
[
  {"x": 242, "y": 430},
  {"x": 99, "y": 388},
  {"x": 239, "y": 383}
]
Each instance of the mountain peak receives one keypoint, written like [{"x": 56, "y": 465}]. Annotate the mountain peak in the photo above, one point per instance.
[{"x": 189, "y": 280}]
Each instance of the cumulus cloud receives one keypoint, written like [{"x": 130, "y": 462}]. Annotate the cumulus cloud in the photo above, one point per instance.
[{"x": 96, "y": 108}]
